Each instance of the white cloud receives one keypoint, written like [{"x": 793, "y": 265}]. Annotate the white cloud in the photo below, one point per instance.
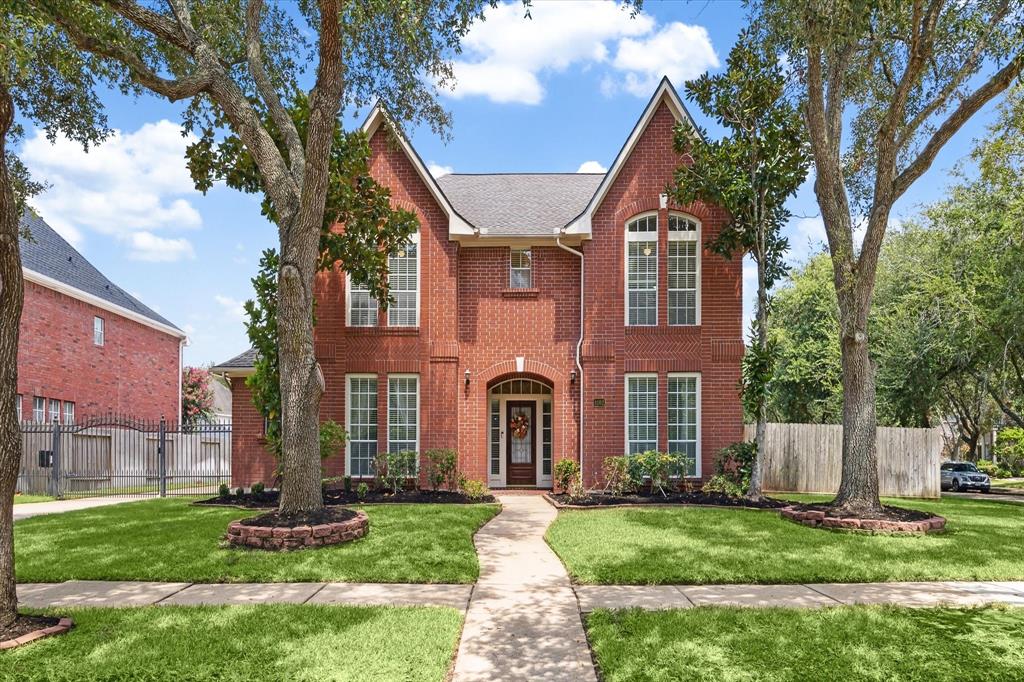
[
  {"x": 806, "y": 238},
  {"x": 591, "y": 167},
  {"x": 507, "y": 52},
  {"x": 679, "y": 51},
  {"x": 128, "y": 187},
  {"x": 437, "y": 170},
  {"x": 147, "y": 246},
  {"x": 233, "y": 307}
]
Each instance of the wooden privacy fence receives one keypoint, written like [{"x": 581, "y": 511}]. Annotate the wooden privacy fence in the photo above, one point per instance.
[{"x": 807, "y": 458}]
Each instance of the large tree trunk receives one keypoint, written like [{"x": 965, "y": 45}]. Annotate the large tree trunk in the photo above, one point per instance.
[{"x": 11, "y": 299}]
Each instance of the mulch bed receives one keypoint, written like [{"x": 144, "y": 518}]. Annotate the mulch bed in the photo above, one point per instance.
[
  {"x": 269, "y": 498},
  {"x": 319, "y": 517},
  {"x": 691, "y": 498},
  {"x": 30, "y": 628}
]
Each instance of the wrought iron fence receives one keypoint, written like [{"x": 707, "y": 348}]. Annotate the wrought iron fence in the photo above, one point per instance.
[{"x": 122, "y": 456}]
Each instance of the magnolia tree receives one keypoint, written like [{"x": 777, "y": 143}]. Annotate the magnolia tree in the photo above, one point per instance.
[
  {"x": 883, "y": 85},
  {"x": 265, "y": 85},
  {"x": 196, "y": 396}
]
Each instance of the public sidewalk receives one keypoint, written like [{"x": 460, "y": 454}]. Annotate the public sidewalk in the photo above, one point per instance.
[{"x": 24, "y": 511}]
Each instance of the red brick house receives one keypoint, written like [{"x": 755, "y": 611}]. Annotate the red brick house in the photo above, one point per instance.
[
  {"x": 491, "y": 349},
  {"x": 87, "y": 347}
]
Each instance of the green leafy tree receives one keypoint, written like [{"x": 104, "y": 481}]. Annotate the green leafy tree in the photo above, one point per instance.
[
  {"x": 884, "y": 85},
  {"x": 242, "y": 68},
  {"x": 751, "y": 173}
]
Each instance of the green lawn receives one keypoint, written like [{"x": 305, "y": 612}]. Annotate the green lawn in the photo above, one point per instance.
[
  {"x": 173, "y": 540},
  {"x": 279, "y": 642},
  {"x": 1004, "y": 483},
  {"x": 983, "y": 541},
  {"x": 842, "y": 643},
  {"x": 30, "y": 499}
]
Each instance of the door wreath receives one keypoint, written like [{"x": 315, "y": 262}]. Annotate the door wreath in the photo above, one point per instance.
[{"x": 520, "y": 426}]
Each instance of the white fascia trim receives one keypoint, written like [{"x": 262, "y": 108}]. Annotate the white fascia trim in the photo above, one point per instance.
[
  {"x": 231, "y": 372},
  {"x": 457, "y": 225},
  {"x": 85, "y": 297},
  {"x": 665, "y": 93}
]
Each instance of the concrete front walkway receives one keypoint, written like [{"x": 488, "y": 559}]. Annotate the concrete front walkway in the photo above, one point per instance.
[
  {"x": 523, "y": 621},
  {"x": 24, "y": 511}
]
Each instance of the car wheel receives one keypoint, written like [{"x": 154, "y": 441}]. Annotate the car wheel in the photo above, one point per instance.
[
  {"x": 987, "y": 489},
  {"x": 955, "y": 486}
]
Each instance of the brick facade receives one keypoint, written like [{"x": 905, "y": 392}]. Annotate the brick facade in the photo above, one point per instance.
[
  {"x": 471, "y": 321},
  {"x": 135, "y": 371}
]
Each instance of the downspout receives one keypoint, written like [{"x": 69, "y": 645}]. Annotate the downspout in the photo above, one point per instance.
[
  {"x": 579, "y": 343},
  {"x": 181, "y": 368}
]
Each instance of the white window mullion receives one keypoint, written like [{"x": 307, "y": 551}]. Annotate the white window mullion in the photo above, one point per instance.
[{"x": 641, "y": 413}]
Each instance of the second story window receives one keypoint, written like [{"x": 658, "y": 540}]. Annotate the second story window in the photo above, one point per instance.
[
  {"x": 54, "y": 410},
  {"x": 642, "y": 271},
  {"x": 520, "y": 271},
  {"x": 403, "y": 282},
  {"x": 38, "y": 409},
  {"x": 683, "y": 270},
  {"x": 69, "y": 412},
  {"x": 362, "y": 307},
  {"x": 97, "y": 331}
]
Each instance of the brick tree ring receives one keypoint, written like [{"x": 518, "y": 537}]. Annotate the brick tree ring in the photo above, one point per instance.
[
  {"x": 246, "y": 533},
  {"x": 816, "y": 518}
]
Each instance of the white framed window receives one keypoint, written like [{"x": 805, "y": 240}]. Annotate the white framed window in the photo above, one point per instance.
[
  {"x": 38, "y": 409},
  {"x": 683, "y": 270},
  {"x": 642, "y": 271},
  {"x": 69, "y": 412},
  {"x": 404, "y": 285},
  {"x": 684, "y": 421},
  {"x": 98, "y": 331},
  {"x": 361, "y": 408},
  {"x": 403, "y": 413},
  {"x": 520, "y": 269},
  {"x": 362, "y": 307},
  {"x": 54, "y": 411},
  {"x": 17, "y": 406},
  {"x": 641, "y": 413}
]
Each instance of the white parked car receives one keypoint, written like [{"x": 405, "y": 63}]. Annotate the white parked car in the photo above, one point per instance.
[{"x": 963, "y": 476}]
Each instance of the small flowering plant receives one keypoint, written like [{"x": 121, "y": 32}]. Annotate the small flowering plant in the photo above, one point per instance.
[{"x": 196, "y": 396}]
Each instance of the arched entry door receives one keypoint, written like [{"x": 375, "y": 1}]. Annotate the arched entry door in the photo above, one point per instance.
[{"x": 520, "y": 421}]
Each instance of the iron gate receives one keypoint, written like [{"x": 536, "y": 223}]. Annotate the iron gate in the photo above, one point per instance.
[{"x": 122, "y": 456}]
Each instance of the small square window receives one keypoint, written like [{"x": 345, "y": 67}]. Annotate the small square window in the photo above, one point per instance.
[
  {"x": 520, "y": 269},
  {"x": 38, "y": 409},
  {"x": 97, "y": 331},
  {"x": 69, "y": 412}
]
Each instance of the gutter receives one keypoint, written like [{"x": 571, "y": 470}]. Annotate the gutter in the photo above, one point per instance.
[{"x": 579, "y": 343}]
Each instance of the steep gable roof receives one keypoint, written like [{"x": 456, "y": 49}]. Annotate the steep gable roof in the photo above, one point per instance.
[{"x": 48, "y": 258}]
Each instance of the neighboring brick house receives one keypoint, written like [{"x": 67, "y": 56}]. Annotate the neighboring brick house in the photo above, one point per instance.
[
  {"x": 87, "y": 347},
  {"x": 482, "y": 350}
]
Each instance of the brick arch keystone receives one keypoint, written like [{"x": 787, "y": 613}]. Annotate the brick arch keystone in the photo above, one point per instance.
[{"x": 541, "y": 370}]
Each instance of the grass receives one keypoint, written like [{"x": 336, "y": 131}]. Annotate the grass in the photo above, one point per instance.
[
  {"x": 272, "y": 642},
  {"x": 983, "y": 541},
  {"x": 851, "y": 643},
  {"x": 1005, "y": 483},
  {"x": 172, "y": 540},
  {"x": 31, "y": 499}
]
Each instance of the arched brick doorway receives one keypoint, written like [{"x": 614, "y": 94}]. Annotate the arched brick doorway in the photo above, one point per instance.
[{"x": 520, "y": 438}]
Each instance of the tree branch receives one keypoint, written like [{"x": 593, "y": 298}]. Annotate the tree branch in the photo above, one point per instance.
[
  {"x": 284, "y": 123},
  {"x": 157, "y": 24}
]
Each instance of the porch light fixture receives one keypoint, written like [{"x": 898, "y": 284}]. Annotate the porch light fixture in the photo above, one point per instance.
[
  {"x": 467, "y": 377},
  {"x": 647, "y": 251},
  {"x": 572, "y": 377}
]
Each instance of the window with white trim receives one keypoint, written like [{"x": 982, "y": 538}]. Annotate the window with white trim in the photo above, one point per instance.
[
  {"x": 641, "y": 413},
  {"x": 38, "y": 409},
  {"x": 69, "y": 412},
  {"x": 98, "y": 331},
  {"x": 684, "y": 421},
  {"x": 403, "y": 284},
  {"x": 683, "y": 270},
  {"x": 642, "y": 271},
  {"x": 17, "y": 406},
  {"x": 520, "y": 270},
  {"x": 403, "y": 413},
  {"x": 361, "y": 425},
  {"x": 362, "y": 307},
  {"x": 54, "y": 411}
]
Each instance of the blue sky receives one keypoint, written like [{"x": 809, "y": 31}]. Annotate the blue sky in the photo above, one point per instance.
[{"x": 549, "y": 94}]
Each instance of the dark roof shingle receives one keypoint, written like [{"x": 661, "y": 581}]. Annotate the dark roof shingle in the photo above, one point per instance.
[
  {"x": 48, "y": 254},
  {"x": 240, "y": 361}
]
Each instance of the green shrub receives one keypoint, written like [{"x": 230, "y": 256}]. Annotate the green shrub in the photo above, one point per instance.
[
  {"x": 362, "y": 489},
  {"x": 735, "y": 463},
  {"x": 988, "y": 467},
  {"x": 723, "y": 484},
  {"x": 332, "y": 438},
  {"x": 224, "y": 490},
  {"x": 473, "y": 489},
  {"x": 239, "y": 491},
  {"x": 399, "y": 467},
  {"x": 347, "y": 484},
  {"x": 618, "y": 476},
  {"x": 258, "y": 488},
  {"x": 565, "y": 471},
  {"x": 442, "y": 468},
  {"x": 1009, "y": 450},
  {"x": 657, "y": 467},
  {"x": 380, "y": 471}
]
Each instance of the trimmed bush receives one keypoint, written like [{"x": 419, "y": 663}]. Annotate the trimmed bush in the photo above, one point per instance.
[
  {"x": 442, "y": 468},
  {"x": 566, "y": 470}
]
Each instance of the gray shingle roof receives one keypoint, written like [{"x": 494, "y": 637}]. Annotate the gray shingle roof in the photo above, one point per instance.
[
  {"x": 240, "y": 361},
  {"x": 519, "y": 204},
  {"x": 47, "y": 253}
]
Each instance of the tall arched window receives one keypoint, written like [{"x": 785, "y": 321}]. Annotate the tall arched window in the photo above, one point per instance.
[
  {"x": 642, "y": 271},
  {"x": 404, "y": 285},
  {"x": 683, "y": 270}
]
